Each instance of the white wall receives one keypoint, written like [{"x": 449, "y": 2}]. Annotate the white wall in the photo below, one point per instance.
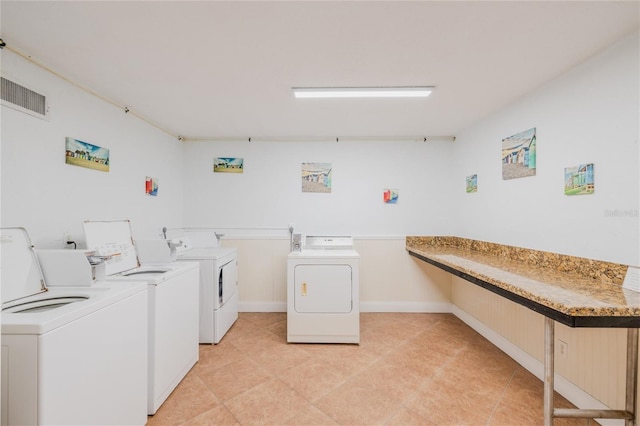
[
  {"x": 49, "y": 197},
  {"x": 589, "y": 115},
  {"x": 268, "y": 193},
  {"x": 390, "y": 279}
]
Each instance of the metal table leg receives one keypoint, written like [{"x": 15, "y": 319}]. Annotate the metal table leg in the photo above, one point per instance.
[
  {"x": 631, "y": 383},
  {"x": 548, "y": 370},
  {"x": 632, "y": 374}
]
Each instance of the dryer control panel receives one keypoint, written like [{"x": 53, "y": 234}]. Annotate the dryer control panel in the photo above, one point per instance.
[{"x": 313, "y": 242}]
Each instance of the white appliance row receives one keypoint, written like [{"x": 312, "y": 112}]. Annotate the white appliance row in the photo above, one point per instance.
[
  {"x": 323, "y": 304},
  {"x": 71, "y": 355},
  {"x": 87, "y": 351},
  {"x": 109, "y": 339}
]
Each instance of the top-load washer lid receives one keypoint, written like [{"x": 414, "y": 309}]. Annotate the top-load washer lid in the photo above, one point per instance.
[
  {"x": 21, "y": 273},
  {"x": 113, "y": 241},
  {"x": 24, "y": 290}
]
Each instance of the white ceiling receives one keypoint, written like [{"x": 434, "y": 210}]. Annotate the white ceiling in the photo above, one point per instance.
[{"x": 213, "y": 69}]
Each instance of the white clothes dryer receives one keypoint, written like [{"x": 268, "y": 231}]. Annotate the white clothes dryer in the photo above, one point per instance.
[
  {"x": 70, "y": 355},
  {"x": 323, "y": 303},
  {"x": 218, "y": 289},
  {"x": 173, "y": 305}
]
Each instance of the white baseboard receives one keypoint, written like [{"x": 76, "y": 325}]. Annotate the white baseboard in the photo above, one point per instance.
[
  {"x": 564, "y": 387},
  {"x": 262, "y": 306},
  {"x": 424, "y": 307},
  {"x": 364, "y": 307}
]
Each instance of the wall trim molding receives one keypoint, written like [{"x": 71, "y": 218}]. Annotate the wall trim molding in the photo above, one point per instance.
[
  {"x": 380, "y": 237},
  {"x": 256, "y": 235},
  {"x": 564, "y": 387}
]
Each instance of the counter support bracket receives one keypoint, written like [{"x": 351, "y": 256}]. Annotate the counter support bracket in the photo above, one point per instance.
[{"x": 631, "y": 382}]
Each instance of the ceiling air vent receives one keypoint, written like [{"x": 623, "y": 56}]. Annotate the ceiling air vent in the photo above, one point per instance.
[{"x": 23, "y": 99}]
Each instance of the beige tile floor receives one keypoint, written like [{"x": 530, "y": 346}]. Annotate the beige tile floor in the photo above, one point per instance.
[{"x": 409, "y": 369}]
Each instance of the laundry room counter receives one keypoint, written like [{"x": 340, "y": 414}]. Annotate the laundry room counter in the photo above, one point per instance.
[{"x": 574, "y": 291}]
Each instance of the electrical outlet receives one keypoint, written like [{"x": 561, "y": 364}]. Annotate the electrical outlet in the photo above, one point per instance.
[{"x": 563, "y": 348}]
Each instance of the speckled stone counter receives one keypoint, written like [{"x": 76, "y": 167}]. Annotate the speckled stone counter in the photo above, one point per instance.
[{"x": 574, "y": 291}]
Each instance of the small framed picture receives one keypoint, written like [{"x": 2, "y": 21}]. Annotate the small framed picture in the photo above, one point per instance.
[
  {"x": 578, "y": 180},
  {"x": 151, "y": 186},
  {"x": 228, "y": 165},
  {"x": 316, "y": 177},
  {"x": 472, "y": 183},
  {"x": 390, "y": 196}
]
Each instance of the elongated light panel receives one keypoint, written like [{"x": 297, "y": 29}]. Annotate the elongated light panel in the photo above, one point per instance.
[{"x": 362, "y": 92}]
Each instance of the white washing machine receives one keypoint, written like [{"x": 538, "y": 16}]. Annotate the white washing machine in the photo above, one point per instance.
[
  {"x": 173, "y": 304},
  {"x": 323, "y": 303},
  {"x": 70, "y": 355},
  {"x": 218, "y": 278}
]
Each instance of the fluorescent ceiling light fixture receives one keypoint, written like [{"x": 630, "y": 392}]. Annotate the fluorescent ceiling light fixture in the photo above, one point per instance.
[{"x": 362, "y": 92}]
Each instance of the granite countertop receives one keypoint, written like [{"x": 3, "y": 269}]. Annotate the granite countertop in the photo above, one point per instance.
[{"x": 572, "y": 290}]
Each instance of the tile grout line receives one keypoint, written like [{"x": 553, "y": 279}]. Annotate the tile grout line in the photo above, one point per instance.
[
  {"x": 392, "y": 344},
  {"x": 504, "y": 391}
]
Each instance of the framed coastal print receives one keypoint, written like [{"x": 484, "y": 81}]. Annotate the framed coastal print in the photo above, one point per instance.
[
  {"x": 151, "y": 186},
  {"x": 519, "y": 155},
  {"x": 228, "y": 165},
  {"x": 472, "y": 183},
  {"x": 84, "y": 154},
  {"x": 578, "y": 180},
  {"x": 316, "y": 177},
  {"x": 390, "y": 196}
]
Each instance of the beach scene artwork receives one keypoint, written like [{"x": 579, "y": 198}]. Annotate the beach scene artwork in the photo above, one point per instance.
[
  {"x": 472, "y": 183},
  {"x": 316, "y": 177},
  {"x": 578, "y": 180},
  {"x": 390, "y": 196},
  {"x": 151, "y": 186},
  {"x": 519, "y": 155},
  {"x": 83, "y": 154},
  {"x": 228, "y": 165}
]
